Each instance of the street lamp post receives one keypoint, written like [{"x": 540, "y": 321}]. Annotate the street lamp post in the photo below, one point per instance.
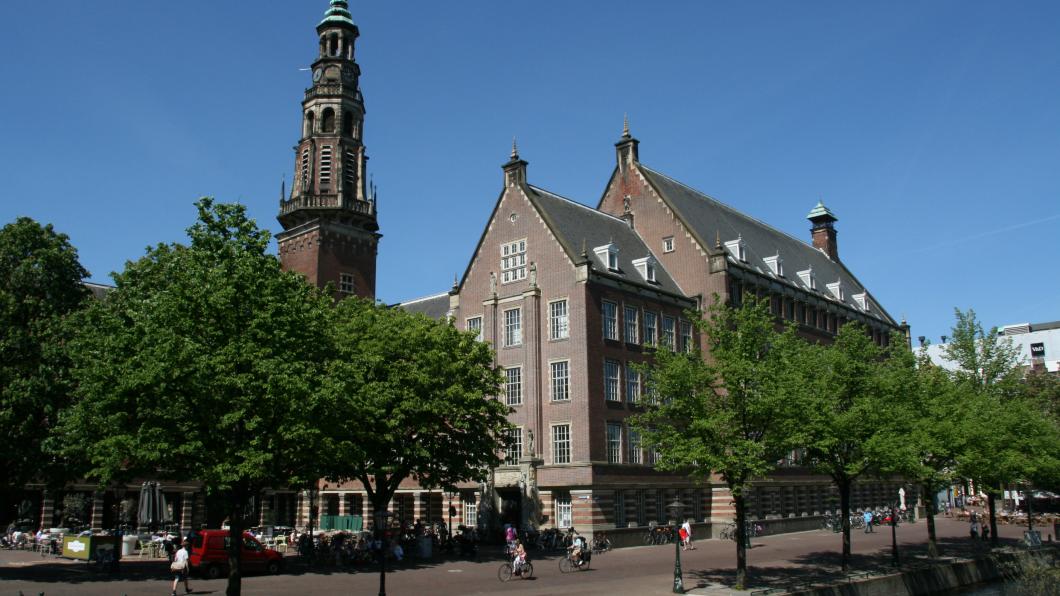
[
  {"x": 894, "y": 535},
  {"x": 676, "y": 508},
  {"x": 310, "y": 495}
]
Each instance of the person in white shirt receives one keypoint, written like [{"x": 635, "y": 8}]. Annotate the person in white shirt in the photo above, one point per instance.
[
  {"x": 688, "y": 535},
  {"x": 180, "y": 567}
]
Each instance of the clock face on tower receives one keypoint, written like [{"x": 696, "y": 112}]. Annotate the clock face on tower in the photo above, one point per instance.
[{"x": 317, "y": 74}]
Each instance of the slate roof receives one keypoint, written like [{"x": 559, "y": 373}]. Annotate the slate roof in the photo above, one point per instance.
[
  {"x": 707, "y": 218},
  {"x": 576, "y": 225},
  {"x": 435, "y": 307}
]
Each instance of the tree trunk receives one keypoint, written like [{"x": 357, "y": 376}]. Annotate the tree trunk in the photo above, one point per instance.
[
  {"x": 993, "y": 518},
  {"x": 379, "y": 503},
  {"x": 741, "y": 541},
  {"x": 844, "y": 509},
  {"x": 933, "y": 546},
  {"x": 236, "y": 524}
]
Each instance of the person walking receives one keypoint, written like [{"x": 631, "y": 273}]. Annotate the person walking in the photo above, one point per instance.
[
  {"x": 867, "y": 515},
  {"x": 180, "y": 568},
  {"x": 687, "y": 527},
  {"x": 973, "y": 526}
]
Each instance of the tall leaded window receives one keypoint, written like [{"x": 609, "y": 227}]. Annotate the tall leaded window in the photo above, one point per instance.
[
  {"x": 470, "y": 510},
  {"x": 513, "y": 386},
  {"x": 564, "y": 517},
  {"x": 513, "y": 261},
  {"x": 614, "y": 443},
  {"x": 561, "y": 444},
  {"x": 632, "y": 383},
  {"x": 514, "y": 450},
  {"x": 668, "y": 332},
  {"x": 513, "y": 327},
  {"x": 629, "y": 323},
  {"x": 610, "y": 320},
  {"x": 686, "y": 336},
  {"x": 634, "y": 447},
  {"x": 611, "y": 380},
  {"x": 475, "y": 324},
  {"x": 558, "y": 320},
  {"x": 650, "y": 328},
  {"x": 559, "y": 373}
]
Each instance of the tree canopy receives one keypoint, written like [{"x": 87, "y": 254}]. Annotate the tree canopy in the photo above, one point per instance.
[
  {"x": 40, "y": 285},
  {"x": 732, "y": 415},
  {"x": 408, "y": 397},
  {"x": 203, "y": 364}
]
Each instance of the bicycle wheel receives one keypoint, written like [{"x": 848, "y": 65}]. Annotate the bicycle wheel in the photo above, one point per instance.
[
  {"x": 565, "y": 565},
  {"x": 528, "y": 570},
  {"x": 505, "y": 572},
  {"x": 606, "y": 545}
]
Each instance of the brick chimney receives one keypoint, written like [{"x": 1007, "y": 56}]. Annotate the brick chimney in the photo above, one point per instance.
[{"x": 823, "y": 230}]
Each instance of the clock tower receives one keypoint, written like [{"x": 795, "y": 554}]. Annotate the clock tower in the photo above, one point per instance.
[{"x": 330, "y": 232}]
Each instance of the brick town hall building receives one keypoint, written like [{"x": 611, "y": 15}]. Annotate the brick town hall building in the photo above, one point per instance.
[{"x": 570, "y": 297}]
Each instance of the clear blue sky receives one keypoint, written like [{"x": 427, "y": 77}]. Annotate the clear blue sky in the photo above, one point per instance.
[{"x": 931, "y": 129}]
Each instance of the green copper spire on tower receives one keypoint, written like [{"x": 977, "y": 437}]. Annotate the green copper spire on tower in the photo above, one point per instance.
[
  {"x": 338, "y": 14},
  {"x": 821, "y": 211}
]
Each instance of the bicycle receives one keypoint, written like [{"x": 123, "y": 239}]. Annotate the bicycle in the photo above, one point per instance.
[
  {"x": 729, "y": 532},
  {"x": 507, "y": 571},
  {"x": 567, "y": 564},
  {"x": 601, "y": 544}
]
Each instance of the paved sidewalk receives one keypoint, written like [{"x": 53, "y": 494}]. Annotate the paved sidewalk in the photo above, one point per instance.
[{"x": 775, "y": 561}]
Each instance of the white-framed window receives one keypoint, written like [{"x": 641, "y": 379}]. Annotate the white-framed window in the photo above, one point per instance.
[
  {"x": 470, "y": 510},
  {"x": 651, "y": 326},
  {"x": 632, "y": 383},
  {"x": 558, "y": 320},
  {"x": 611, "y": 380},
  {"x": 614, "y": 443},
  {"x": 610, "y": 320},
  {"x": 475, "y": 324},
  {"x": 559, "y": 373},
  {"x": 633, "y": 444},
  {"x": 564, "y": 513},
  {"x": 668, "y": 332},
  {"x": 651, "y": 390},
  {"x": 514, "y": 450},
  {"x": 668, "y": 244},
  {"x": 653, "y": 456},
  {"x": 561, "y": 444},
  {"x": 630, "y": 324},
  {"x": 608, "y": 255},
  {"x": 513, "y": 261},
  {"x": 346, "y": 284},
  {"x": 686, "y": 336},
  {"x": 513, "y": 327},
  {"x": 325, "y": 165},
  {"x": 513, "y": 386}
]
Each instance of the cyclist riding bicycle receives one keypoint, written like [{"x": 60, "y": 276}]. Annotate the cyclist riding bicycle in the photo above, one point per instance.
[
  {"x": 520, "y": 558},
  {"x": 576, "y": 547}
]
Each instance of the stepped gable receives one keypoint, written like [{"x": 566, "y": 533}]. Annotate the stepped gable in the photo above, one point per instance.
[
  {"x": 708, "y": 218},
  {"x": 576, "y": 225}
]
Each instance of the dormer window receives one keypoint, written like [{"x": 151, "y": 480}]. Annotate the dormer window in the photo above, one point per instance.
[
  {"x": 608, "y": 255},
  {"x": 836, "y": 289},
  {"x": 776, "y": 264},
  {"x": 862, "y": 301},
  {"x": 736, "y": 249},
  {"x": 646, "y": 268},
  {"x": 809, "y": 279}
]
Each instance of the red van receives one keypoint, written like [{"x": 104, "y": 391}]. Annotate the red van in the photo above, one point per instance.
[{"x": 209, "y": 555}]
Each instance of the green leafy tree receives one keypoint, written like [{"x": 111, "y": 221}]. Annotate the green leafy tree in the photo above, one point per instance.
[
  {"x": 40, "y": 285},
  {"x": 939, "y": 430},
  {"x": 987, "y": 374},
  {"x": 855, "y": 422},
  {"x": 732, "y": 415},
  {"x": 408, "y": 397},
  {"x": 202, "y": 364}
]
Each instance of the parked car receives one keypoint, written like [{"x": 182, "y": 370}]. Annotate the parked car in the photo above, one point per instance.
[{"x": 209, "y": 555}]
